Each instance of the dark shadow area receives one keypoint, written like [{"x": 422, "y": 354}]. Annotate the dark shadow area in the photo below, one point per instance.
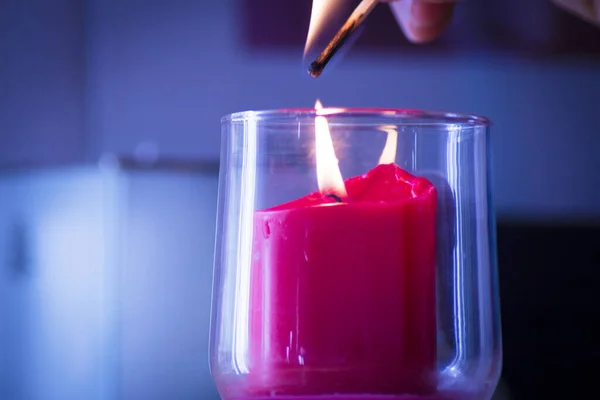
[{"x": 550, "y": 277}]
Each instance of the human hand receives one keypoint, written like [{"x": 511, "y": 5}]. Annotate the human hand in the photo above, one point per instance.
[
  {"x": 589, "y": 10},
  {"x": 422, "y": 20}
]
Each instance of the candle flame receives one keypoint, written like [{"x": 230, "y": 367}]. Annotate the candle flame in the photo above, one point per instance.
[
  {"x": 322, "y": 14},
  {"x": 388, "y": 155},
  {"x": 329, "y": 176}
]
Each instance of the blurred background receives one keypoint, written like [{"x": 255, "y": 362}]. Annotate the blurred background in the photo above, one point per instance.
[{"x": 109, "y": 149}]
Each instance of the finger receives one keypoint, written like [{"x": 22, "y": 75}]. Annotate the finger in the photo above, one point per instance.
[
  {"x": 586, "y": 9},
  {"x": 422, "y": 21},
  {"x": 429, "y": 1}
]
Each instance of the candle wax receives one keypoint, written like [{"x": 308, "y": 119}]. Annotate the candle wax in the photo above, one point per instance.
[{"x": 342, "y": 294}]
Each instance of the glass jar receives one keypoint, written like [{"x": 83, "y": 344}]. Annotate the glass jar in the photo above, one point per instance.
[{"x": 355, "y": 257}]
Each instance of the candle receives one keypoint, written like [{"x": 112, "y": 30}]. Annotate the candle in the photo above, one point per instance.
[{"x": 342, "y": 290}]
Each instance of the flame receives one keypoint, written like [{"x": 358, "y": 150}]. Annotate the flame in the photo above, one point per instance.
[
  {"x": 388, "y": 155},
  {"x": 322, "y": 13},
  {"x": 329, "y": 176}
]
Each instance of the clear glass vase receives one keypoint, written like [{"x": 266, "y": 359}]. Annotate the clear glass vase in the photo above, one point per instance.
[{"x": 355, "y": 257}]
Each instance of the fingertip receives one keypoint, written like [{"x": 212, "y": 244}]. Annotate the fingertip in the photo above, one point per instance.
[
  {"x": 424, "y": 35},
  {"x": 430, "y": 20},
  {"x": 431, "y": 14},
  {"x": 422, "y": 22}
]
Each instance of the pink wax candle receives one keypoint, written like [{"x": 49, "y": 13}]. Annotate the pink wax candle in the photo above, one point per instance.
[{"x": 342, "y": 295}]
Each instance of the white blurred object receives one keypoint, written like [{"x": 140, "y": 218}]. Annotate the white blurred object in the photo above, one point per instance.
[
  {"x": 105, "y": 281},
  {"x": 56, "y": 298},
  {"x": 586, "y": 9}
]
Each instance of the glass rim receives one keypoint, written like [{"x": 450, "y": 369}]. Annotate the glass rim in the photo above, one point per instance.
[{"x": 398, "y": 116}]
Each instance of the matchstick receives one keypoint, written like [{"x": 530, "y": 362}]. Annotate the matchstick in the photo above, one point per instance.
[{"x": 356, "y": 18}]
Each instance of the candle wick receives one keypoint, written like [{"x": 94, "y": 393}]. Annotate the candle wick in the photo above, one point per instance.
[{"x": 335, "y": 197}]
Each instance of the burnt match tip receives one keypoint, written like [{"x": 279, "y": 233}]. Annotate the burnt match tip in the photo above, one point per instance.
[{"x": 315, "y": 69}]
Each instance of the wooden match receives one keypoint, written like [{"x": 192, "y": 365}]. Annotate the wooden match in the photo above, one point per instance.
[{"x": 352, "y": 23}]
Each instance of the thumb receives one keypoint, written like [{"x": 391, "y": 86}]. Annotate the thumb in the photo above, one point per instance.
[{"x": 422, "y": 20}]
